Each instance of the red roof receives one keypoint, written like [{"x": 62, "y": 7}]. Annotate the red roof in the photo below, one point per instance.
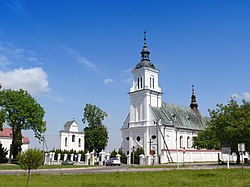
[{"x": 7, "y": 132}]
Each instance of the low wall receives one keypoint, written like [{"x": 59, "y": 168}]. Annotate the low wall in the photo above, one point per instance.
[{"x": 192, "y": 156}]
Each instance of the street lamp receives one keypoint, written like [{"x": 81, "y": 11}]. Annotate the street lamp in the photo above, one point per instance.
[{"x": 176, "y": 140}]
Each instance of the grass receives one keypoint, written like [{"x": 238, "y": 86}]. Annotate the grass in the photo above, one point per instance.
[{"x": 176, "y": 178}]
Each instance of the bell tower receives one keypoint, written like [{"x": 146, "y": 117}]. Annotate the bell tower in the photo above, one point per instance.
[{"x": 145, "y": 91}]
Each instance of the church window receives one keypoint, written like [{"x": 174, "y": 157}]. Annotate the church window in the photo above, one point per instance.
[
  {"x": 138, "y": 83},
  {"x": 141, "y": 82},
  {"x": 66, "y": 142},
  {"x": 73, "y": 138},
  {"x": 181, "y": 141},
  {"x": 79, "y": 142},
  {"x": 127, "y": 138},
  {"x": 138, "y": 138},
  {"x": 153, "y": 137},
  {"x": 152, "y": 80},
  {"x": 188, "y": 142}
]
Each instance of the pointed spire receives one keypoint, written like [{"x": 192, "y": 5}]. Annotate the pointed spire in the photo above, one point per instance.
[
  {"x": 145, "y": 52},
  {"x": 145, "y": 62},
  {"x": 193, "y": 103}
]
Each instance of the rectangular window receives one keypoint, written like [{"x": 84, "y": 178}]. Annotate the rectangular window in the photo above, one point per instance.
[
  {"x": 138, "y": 83},
  {"x": 141, "y": 82}
]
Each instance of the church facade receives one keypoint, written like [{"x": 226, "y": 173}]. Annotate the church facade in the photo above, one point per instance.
[{"x": 159, "y": 128}]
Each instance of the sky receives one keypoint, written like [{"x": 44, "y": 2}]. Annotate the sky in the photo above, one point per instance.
[{"x": 70, "y": 53}]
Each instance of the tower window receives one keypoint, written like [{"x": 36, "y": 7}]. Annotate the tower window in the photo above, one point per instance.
[
  {"x": 152, "y": 82},
  {"x": 73, "y": 138},
  {"x": 66, "y": 142},
  {"x": 127, "y": 138},
  {"x": 153, "y": 137},
  {"x": 79, "y": 142},
  {"x": 138, "y": 83}
]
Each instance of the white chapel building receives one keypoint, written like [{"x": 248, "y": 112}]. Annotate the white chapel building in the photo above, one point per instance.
[
  {"x": 71, "y": 138},
  {"x": 160, "y": 128}
]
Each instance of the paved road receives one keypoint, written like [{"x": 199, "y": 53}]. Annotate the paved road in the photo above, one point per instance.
[{"x": 122, "y": 168}]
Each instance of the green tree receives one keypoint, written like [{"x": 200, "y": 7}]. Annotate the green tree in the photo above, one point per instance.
[
  {"x": 206, "y": 139},
  {"x": 96, "y": 134},
  {"x": 93, "y": 115},
  {"x": 123, "y": 156},
  {"x": 113, "y": 153},
  {"x": 21, "y": 112},
  {"x": 229, "y": 123},
  {"x": 29, "y": 160},
  {"x": 135, "y": 156},
  {"x": 3, "y": 154}
]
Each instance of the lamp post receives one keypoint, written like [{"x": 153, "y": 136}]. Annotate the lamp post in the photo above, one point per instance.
[
  {"x": 133, "y": 149},
  {"x": 176, "y": 130}
]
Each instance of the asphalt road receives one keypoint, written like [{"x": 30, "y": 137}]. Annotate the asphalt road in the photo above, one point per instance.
[{"x": 122, "y": 168}]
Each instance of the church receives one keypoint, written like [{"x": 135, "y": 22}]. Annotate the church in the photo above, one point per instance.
[
  {"x": 71, "y": 138},
  {"x": 160, "y": 128}
]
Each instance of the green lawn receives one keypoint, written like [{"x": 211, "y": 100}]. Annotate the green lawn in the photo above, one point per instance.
[{"x": 197, "y": 178}]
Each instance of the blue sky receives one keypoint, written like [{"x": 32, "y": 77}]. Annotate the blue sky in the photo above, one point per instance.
[{"x": 69, "y": 53}]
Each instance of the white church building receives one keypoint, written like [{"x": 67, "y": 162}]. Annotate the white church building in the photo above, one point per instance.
[
  {"x": 71, "y": 138},
  {"x": 160, "y": 128}
]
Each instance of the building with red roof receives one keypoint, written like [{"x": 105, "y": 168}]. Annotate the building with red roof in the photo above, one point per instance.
[{"x": 6, "y": 139}]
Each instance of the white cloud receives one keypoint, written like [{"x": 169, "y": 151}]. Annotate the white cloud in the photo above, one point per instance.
[
  {"x": 244, "y": 95},
  {"x": 108, "y": 81},
  {"x": 34, "y": 80},
  {"x": 12, "y": 55},
  {"x": 80, "y": 59}
]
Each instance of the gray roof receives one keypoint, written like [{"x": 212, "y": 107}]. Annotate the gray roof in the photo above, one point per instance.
[
  {"x": 68, "y": 124},
  {"x": 179, "y": 116}
]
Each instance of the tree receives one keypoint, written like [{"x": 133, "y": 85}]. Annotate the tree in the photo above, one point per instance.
[
  {"x": 3, "y": 154},
  {"x": 229, "y": 123},
  {"x": 21, "y": 112},
  {"x": 113, "y": 153},
  {"x": 135, "y": 157},
  {"x": 29, "y": 160},
  {"x": 96, "y": 134}
]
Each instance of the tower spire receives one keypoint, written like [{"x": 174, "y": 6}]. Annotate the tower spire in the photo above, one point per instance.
[
  {"x": 145, "y": 52},
  {"x": 193, "y": 103},
  {"x": 145, "y": 62}
]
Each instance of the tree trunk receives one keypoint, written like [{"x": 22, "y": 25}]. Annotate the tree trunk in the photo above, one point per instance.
[
  {"x": 238, "y": 158},
  {"x": 27, "y": 184},
  {"x": 12, "y": 144}
]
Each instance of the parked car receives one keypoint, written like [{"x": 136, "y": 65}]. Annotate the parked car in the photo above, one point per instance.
[
  {"x": 113, "y": 161},
  {"x": 67, "y": 162}
]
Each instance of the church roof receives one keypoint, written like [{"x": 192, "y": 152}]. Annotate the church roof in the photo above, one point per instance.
[
  {"x": 179, "y": 116},
  {"x": 145, "y": 61}
]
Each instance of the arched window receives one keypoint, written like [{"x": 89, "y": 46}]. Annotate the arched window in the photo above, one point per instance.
[
  {"x": 181, "y": 141},
  {"x": 152, "y": 82},
  {"x": 188, "y": 142},
  {"x": 79, "y": 142},
  {"x": 73, "y": 138},
  {"x": 66, "y": 142}
]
